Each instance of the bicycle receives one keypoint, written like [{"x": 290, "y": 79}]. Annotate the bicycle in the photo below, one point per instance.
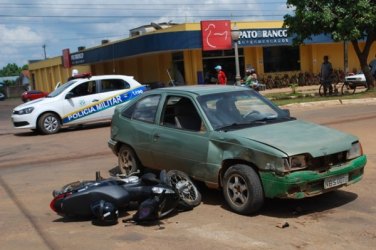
[
  {"x": 352, "y": 82},
  {"x": 334, "y": 88}
]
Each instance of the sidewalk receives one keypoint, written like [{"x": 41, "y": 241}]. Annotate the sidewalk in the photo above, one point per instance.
[
  {"x": 314, "y": 89},
  {"x": 302, "y": 89}
]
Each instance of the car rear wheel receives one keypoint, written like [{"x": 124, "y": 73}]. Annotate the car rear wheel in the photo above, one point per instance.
[
  {"x": 242, "y": 189},
  {"x": 49, "y": 123},
  {"x": 127, "y": 161}
]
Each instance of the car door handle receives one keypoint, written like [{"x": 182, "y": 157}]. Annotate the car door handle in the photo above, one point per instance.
[
  {"x": 156, "y": 137},
  {"x": 95, "y": 100}
]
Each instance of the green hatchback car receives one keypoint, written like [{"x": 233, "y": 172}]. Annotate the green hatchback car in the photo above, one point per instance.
[{"x": 233, "y": 138}]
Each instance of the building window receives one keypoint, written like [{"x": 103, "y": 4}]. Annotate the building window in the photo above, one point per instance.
[
  {"x": 225, "y": 58},
  {"x": 221, "y": 53},
  {"x": 281, "y": 58}
]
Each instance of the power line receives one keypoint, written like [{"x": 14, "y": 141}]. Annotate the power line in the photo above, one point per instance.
[
  {"x": 138, "y": 16},
  {"x": 141, "y": 4}
]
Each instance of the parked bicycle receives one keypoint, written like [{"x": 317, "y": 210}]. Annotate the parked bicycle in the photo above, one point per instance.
[
  {"x": 335, "y": 87},
  {"x": 353, "y": 82}
]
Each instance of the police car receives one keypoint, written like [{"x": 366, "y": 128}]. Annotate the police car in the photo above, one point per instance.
[{"x": 83, "y": 99}]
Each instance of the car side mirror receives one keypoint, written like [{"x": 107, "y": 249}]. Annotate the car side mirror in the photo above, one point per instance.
[
  {"x": 69, "y": 95},
  {"x": 286, "y": 111}
]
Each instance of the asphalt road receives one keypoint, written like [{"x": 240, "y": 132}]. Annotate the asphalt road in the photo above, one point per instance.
[{"x": 31, "y": 166}]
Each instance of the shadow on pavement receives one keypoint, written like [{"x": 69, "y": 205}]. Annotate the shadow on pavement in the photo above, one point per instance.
[
  {"x": 67, "y": 129},
  {"x": 286, "y": 208}
]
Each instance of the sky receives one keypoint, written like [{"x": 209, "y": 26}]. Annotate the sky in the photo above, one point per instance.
[{"x": 37, "y": 29}]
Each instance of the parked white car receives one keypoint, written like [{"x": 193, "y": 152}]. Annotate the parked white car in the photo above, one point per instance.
[
  {"x": 82, "y": 100},
  {"x": 353, "y": 82},
  {"x": 358, "y": 79}
]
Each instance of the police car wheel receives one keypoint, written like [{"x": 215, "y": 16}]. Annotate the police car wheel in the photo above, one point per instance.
[{"x": 49, "y": 123}]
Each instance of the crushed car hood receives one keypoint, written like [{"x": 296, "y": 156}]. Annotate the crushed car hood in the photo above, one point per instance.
[{"x": 297, "y": 137}]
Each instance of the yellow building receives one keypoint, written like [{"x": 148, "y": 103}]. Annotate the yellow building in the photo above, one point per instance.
[{"x": 175, "y": 52}]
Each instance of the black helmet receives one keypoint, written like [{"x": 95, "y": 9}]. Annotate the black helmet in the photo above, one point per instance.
[{"x": 105, "y": 212}]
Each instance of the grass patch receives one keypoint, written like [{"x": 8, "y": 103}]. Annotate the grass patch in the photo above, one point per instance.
[{"x": 298, "y": 97}]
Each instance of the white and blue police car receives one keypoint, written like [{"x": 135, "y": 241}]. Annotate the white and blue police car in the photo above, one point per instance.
[{"x": 84, "y": 99}]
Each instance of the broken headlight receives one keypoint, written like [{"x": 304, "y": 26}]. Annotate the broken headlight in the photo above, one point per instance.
[
  {"x": 355, "y": 151},
  {"x": 291, "y": 163}
]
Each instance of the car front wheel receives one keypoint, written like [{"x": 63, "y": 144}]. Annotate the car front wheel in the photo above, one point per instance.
[
  {"x": 127, "y": 160},
  {"x": 49, "y": 123},
  {"x": 242, "y": 189}
]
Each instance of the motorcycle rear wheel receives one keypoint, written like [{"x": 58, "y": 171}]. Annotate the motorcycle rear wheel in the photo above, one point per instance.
[{"x": 189, "y": 195}]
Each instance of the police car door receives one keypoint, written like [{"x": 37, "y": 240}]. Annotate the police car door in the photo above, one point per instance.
[
  {"x": 113, "y": 92},
  {"x": 81, "y": 104}
]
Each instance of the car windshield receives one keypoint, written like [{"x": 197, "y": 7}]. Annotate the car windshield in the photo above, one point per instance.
[
  {"x": 61, "y": 88},
  {"x": 238, "y": 109}
]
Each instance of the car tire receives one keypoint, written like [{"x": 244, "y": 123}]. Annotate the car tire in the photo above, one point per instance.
[
  {"x": 49, "y": 123},
  {"x": 128, "y": 162},
  {"x": 242, "y": 189}
]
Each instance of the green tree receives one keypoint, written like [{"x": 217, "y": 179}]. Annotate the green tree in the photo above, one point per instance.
[
  {"x": 10, "y": 70},
  {"x": 343, "y": 20}
]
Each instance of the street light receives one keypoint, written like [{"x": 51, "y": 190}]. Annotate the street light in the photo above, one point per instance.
[{"x": 235, "y": 34}]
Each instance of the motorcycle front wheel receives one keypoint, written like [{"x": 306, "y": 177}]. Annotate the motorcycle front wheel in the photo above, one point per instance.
[{"x": 189, "y": 195}]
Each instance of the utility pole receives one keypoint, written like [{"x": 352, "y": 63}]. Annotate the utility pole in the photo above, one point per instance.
[
  {"x": 346, "y": 57},
  {"x": 44, "y": 50}
]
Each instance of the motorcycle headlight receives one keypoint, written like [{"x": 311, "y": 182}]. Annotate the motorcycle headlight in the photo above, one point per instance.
[
  {"x": 355, "y": 151},
  {"x": 25, "y": 111}
]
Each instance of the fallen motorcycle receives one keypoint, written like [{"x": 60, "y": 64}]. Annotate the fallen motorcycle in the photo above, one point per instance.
[{"x": 101, "y": 199}]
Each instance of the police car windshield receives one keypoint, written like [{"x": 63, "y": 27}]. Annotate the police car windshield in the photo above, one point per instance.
[{"x": 61, "y": 88}]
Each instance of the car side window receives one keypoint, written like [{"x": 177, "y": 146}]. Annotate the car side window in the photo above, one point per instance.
[
  {"x": 113, "y": 84},
  {"x": 86, "y": 88},
  {"x": 180, "y": 112},
  {"x": 143, "y": 110}
]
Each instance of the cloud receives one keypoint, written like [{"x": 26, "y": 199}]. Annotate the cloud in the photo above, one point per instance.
[
  {"x": 18, "y": 43},
  {"x": 28, "y": 25}
]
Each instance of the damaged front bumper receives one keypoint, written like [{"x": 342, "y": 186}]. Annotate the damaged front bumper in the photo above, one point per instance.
[{"x": 306, "y": 183}]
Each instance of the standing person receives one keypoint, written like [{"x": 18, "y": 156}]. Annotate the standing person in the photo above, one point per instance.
[
  {"x": 251, "y": 80},
  {"x": 221, "y": 76},
  {"x": 372, "y": 65},
  {"x": 326, "y": 75}
]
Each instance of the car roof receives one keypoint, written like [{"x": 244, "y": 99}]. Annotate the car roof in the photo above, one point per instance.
[
  {"x": 98, "y": 77},
  {"x": 129, "y": 79},
  {"x": 200, "y": 89}
]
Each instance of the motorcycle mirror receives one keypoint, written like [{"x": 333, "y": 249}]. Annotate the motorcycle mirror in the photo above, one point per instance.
[{"x": 98, "y": 176}]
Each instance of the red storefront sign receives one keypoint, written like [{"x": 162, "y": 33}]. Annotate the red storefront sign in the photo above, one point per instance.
[
  {"x": 67, "y": 63},
  {"x": 216, "y": 35}
]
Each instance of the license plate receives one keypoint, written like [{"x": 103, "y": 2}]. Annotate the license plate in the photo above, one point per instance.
[{"x": 336, "y": 181}]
